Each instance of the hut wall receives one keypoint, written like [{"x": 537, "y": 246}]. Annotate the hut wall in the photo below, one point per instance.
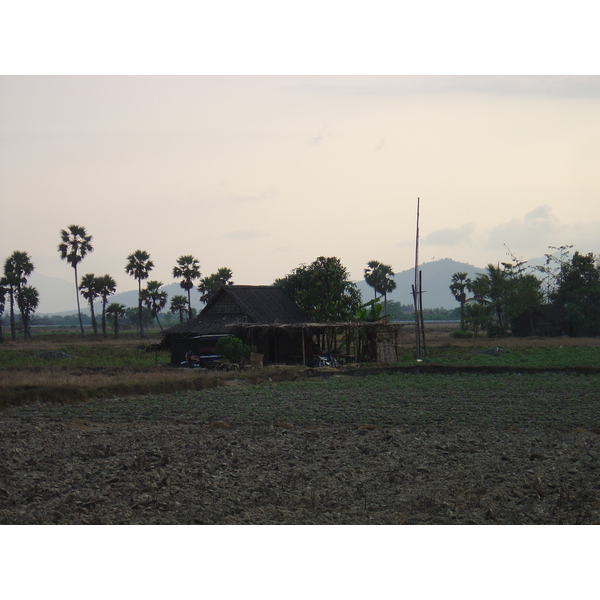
[{"x": 201, "y": 346}]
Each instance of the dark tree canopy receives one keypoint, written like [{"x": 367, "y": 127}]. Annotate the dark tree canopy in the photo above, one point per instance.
[
  {"x": 210, "y": 285},
  {"x": 323, "y": 290},
  {"x": 578, "y": 293}
]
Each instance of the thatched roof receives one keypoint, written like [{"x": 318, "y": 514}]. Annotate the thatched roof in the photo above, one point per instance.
[{"x": 234, "y": 305}]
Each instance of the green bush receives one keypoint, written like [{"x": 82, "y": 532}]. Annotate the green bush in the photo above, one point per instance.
[
  {"x": 461, "y": 334},
  {"x": 232, "y": 348}
]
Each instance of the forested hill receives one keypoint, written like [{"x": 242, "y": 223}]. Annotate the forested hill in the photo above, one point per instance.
[{"x": 437, "y": 276}]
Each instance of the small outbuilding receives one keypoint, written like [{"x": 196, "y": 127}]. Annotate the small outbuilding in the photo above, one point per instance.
[{"x": 542, "y": 320}]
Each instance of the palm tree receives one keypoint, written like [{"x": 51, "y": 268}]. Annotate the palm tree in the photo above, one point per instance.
[
  {"x": 179, "y": 305},
  {"x": 17, "y": 268},
  {"x": 106, "y": 287},
  {"x": 28, "y": 300},
  {"x": 139, "y": 266},
  {"x": 75, "y": 245},
  {"x": 497, "y": 281},
  {"x": 154, "y": 299},
  {"x": 459, "y": 285},
  {"x": 115, "y": 311},
  {"x": 188, "y": 268},
  {"x": 89, "y": 290},
  {"x": 210, "y": 285},
  {"x": 380, "y": 277}
]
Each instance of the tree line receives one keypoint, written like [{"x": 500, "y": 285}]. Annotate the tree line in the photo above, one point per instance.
[
  {"x": 322, "y": 289},
  {"x": 495, "y": 300},
  {"x": 74, "y": 246}
]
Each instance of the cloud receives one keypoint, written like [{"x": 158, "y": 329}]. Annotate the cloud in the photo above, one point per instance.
[
  {"x": 539, "y": 229},
  {"x": 449, "y": 236},
  {"x": 556, "y": 86},
  {"x": 380, "y": 145}
]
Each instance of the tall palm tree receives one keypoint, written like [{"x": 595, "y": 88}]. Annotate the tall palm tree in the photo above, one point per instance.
[
  {"x": 106, "y": 287},
  {"x": 115, "y": 311},
  {"x": 458, "y": 286},
  {"x": 154, "y": 299},
  {"x": 75, "y": 245},
  {"x": 188, "y": 268},
  {"x": 90, "y": 291},
  {"x": 28, "y": 300},
  {"x": 17, "y": 268},
  {"x": 178, "y": 306},
  {"x": 139, "y": 266}
]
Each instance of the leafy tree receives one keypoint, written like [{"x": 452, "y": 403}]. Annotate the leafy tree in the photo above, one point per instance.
[
  {"x": 134, "y": 315},
  {"x": 371, "y": 311},
  {"x": 115, "y": 311},
  {"x": 381, "y": 278},
  {"x": 210, "y": 285},
  {"x": 179, "y": 306},
  {"x": 75, "y": 245},
  {"x": 28, "y": 300},
  {"x": 502, "y": 293},
  {"x": 90, "y": 290},
  {"x": 459, "y": 286},
  {"x": 477, "y": 316},
  {"x": 139, "y": 266},
  {"x": 578, "y": 293},
  {"x": 323, "y": 290},
  {"x": 188, "y": 268},
  {"x": 154, "y": 299},
  {"x": 106, "y": 287}
]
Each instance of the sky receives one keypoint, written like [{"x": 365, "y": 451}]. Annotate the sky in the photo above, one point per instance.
[{"x": 263, "y": 173}]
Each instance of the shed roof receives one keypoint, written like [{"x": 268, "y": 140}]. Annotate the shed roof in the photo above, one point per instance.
[{"x": 238, "y": 304}]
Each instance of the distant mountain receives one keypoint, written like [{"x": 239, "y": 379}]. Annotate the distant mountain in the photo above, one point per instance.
[
  {"x": 436, "y": 277},
  {"x": 56, "y": 295},
  {"x": 130, "y": 298}
]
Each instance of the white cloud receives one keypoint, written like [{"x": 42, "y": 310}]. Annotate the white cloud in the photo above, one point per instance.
[{"x": 539, "y": 229}]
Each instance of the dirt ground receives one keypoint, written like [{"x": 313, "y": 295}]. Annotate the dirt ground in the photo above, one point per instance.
[{"x": 68, "y": 465}]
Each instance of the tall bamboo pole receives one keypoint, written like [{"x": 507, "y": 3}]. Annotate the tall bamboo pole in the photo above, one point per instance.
[
  {"x": 415, "y": 288},
  {"x": 418, "y": 297}
]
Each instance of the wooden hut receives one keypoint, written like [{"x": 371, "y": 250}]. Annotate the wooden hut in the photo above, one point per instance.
[
  {"x": 232, "y": 307},
  {"x": 263, "y": 317}
]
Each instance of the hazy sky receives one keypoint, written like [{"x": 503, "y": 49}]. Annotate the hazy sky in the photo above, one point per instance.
[{"x": 263, "y": 173}]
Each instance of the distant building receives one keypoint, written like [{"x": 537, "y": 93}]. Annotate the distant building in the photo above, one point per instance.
[{"x": 542, "y": 320}]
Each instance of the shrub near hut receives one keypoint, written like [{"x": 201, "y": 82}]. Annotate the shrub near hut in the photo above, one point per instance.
[{"x": 233, "y": 349}]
